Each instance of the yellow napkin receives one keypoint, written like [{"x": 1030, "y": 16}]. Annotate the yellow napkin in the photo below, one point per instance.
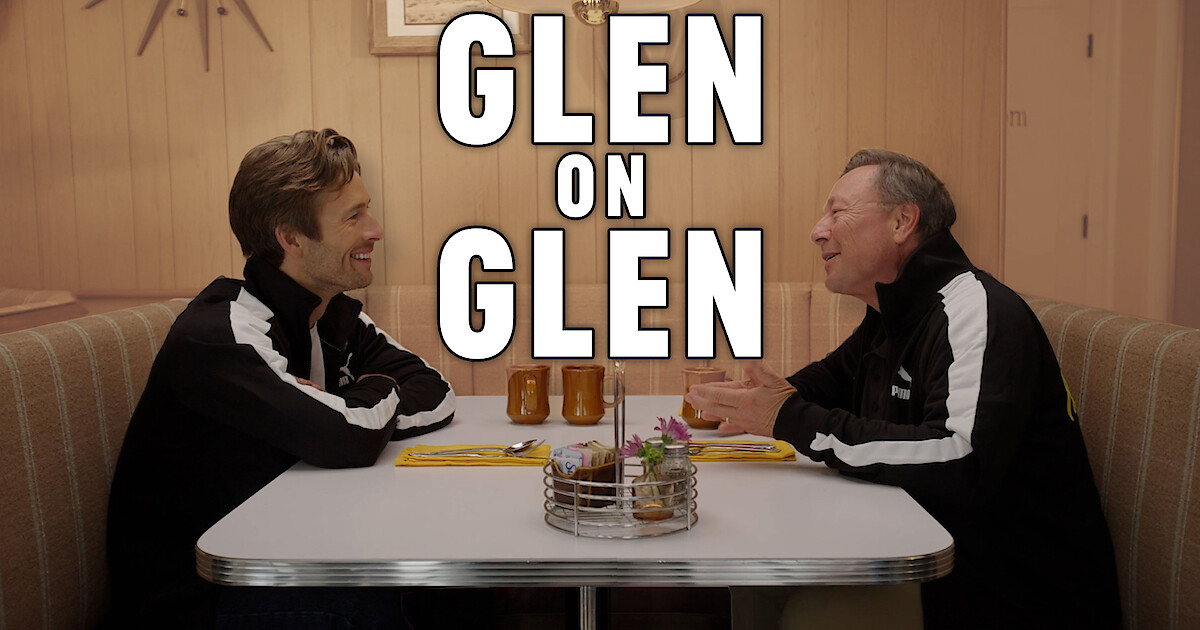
[
  {"x": 785, "y": 452},
  {"x": 536, "y": 457}
]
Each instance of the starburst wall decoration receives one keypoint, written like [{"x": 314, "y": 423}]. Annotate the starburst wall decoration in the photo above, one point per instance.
[{"x": 160, "y": 8}]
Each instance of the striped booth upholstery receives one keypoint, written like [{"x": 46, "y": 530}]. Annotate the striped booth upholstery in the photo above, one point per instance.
[
  {"x": 67, "y": 391},
  {"x": 1137, "y": 389}
]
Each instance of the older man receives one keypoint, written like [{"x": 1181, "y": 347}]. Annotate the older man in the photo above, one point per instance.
[{"x": 949, "y": 389}]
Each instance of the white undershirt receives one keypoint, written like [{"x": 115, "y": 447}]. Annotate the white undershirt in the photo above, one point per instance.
[{"x": 316, "y": 372}]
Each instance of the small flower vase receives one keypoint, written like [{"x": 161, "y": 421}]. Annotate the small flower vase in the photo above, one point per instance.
[{"x": 648, "y": 486}]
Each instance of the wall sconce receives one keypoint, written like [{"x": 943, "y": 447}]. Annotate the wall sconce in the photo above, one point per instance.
[{"x": 591, "y": 12}]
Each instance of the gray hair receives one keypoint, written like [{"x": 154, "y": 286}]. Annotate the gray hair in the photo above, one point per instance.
[{"x": 902, "y": 179}]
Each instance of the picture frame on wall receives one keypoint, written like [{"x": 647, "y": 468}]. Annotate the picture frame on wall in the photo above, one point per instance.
[{"x": 412, "y": 27}]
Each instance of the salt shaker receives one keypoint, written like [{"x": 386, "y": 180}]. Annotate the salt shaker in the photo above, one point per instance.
[{"x": 676, "y": 467}]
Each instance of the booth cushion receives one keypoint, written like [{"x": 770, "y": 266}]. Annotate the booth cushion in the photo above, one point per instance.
[
  {"x": 67, "y": 391},
  {"x": 1137, "y": 391}
]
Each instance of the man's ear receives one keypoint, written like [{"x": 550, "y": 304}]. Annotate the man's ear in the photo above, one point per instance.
[
  {"x": 905, "y": 220},
  {"x": 286, "y": 236}
]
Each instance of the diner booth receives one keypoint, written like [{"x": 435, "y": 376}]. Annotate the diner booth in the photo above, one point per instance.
[{"x": 1067, "y": 134}]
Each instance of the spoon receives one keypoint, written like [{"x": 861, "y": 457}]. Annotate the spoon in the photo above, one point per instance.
[{"x": 516, "y": 450}]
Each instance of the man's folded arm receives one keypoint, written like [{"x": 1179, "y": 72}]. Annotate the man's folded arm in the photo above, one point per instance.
[
  {"x": 248, "y": 388},
  {"x": 426, "y": 400}
]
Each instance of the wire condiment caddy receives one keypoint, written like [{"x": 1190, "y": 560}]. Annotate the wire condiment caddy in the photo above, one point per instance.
[{"x": 614, "y": 500}]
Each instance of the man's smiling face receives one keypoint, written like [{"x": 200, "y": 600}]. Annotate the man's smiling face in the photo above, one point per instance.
[
  {"x": 857, "y": 236},
  {"x": 341, "y": 259}
]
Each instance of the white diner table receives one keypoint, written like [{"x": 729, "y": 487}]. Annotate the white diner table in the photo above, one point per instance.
[{"x": 759, "y": 523}]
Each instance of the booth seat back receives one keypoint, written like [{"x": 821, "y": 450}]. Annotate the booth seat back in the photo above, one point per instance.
[
  {"x": 67, "y": 391},
  {"x": 801, "y": 323},
  {"x": 1136, "y": 385}
]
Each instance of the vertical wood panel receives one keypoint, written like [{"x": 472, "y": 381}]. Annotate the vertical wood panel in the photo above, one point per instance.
[
  {"x": 518, "y": 175},
  {"x": 403, "y": 221},
  {"x": 150, "y": 158},
  {"x": 1165, "y": 133},
  {"x": 267, "y": 94},
  {"x": 814, "y": 129},
  {"x": 1147, "y": 93},
  {"x": 866, "y": 75},
  {"x": 978, "y": 197},
  {"x": 1048, "y": 82},
  {"x": 19, "y": 255},
  {"x": 1130, "y": 271},
  {"x": 924, "y": 87},
  {"x": 196, "y": 124},
  {"x": 738, "y": 186},
  {"x": 458, "y": 184},
  {"x": 1101, "y": 148},
  {"x": 669, "y": 198},
  {"x": 50, "y": 119},
  {"x": 596, "y": 226},
  {"x": 1186, "y": 308},
  {"x": 95, "y": 56},
  {"x": 585, "y": 93},
  {"x": 346, "y": 93},
  {"x": 669, "y": 184}
]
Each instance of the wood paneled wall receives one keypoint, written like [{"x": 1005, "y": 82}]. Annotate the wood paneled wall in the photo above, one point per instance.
[
  {"x": 115, "y": 168},
  {"x": 1187, "y": 251}
]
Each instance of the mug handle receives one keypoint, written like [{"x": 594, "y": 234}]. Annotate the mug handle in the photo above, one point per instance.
[{"x": 618, "y": 392}]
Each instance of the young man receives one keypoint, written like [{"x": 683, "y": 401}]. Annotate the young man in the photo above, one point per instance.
[
  {"x": 256, "y": 375},
  {"x": 948, "y": 389}
]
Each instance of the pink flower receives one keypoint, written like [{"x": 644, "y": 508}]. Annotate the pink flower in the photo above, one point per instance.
[
  {"x": 673, "y": 430},
  {"x": 632, "y": 448}
]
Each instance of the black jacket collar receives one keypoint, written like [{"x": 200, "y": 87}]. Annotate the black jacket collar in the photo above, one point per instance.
[
  {"x": 292, "y": 305},
  {"x": 905, "y": 301}
]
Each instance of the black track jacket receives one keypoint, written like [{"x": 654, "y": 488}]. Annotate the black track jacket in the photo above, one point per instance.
[
  {"x": 223, "y": 414},
  {"x": 952, "y": 391}
]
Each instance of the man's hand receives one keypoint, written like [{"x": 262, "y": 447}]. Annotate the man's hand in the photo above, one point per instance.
[
  {"x": 750, "y": 405},
  {"x": 304, "y": 381}
]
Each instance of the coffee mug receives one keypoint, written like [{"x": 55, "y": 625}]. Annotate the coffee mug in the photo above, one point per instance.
[
  {"x": 695, "y": 376},
  {"x": 528, "y": 398},
  {"x": 583, "y": 394}
]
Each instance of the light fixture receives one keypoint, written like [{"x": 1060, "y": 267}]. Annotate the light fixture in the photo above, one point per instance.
[{"x": 591, "y": 12}]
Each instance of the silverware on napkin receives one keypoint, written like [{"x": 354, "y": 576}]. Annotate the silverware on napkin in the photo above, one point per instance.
[
  {"x": 492, "y": 455},
  {"x": 733, "y": 447}
]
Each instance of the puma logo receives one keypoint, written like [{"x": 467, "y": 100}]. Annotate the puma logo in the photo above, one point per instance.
[
  {"x": 901, "y": 392},
  {"x": 347, "y": 377}
]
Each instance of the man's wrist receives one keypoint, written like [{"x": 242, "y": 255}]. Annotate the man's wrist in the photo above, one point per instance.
[{"x": 781, "y": 419}]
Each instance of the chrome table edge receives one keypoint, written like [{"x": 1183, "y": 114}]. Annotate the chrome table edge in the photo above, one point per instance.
[{"x": 707, "y": 572}]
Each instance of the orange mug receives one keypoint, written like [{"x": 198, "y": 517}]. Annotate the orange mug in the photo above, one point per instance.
[
  {"x": 695, "y": 376},
  {"x": 583, "y": 394},
  {"x": 528, "y": 398}
]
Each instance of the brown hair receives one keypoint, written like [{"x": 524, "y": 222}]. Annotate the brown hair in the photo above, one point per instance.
[
  {"x": 278, "y": 183},
  {"x": 902, "y": 179}
]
